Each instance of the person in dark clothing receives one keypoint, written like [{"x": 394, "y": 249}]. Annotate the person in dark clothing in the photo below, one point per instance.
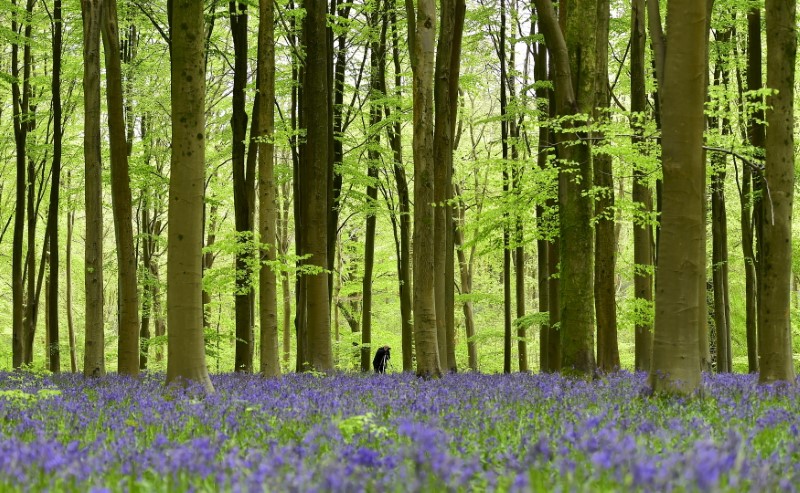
[{"x": 381, "y": 359}]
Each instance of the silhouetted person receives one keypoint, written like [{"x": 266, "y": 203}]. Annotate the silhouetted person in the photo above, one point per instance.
[{"x": 381, "y": 359}]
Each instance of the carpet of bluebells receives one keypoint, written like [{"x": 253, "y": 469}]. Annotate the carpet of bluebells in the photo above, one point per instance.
[{"x": 349, "y": 433}]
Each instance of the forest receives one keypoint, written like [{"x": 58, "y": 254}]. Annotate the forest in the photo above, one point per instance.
[
  {"x": 546, "y": 209},
  {"x": 466, "y": 194}
]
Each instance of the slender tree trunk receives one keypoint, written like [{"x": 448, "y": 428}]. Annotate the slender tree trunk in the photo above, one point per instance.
[
  {"x": 128, "y": 302},
  {"x": 21, "y": 107},
  {"x": 268, "y": 206},
  {"x": 680, "y": 317},
  {"x": 542, "y": 245},
  {"x": 186, "y": 357},
  {"x": 93, "y": 356},
  {"x": 605, "y": 235},
  {"x": 751, "y": 184},
  {"x": 53, "y": 349},
  {"x": 775, "y": 334},
  {"x": 208, "y": 261},
  {"x": 339, "y": 59},
  {"x": 73, "y": 361},
  {"x": 507, "y": 332},
  {"x": 283, "y": 242},
  {"x": 314, "y": 180},
  {"x": 719, "y": 261},
  {"x": 404, "y": 255},
  {"x": 377, "y": 65},
  {"x": 448, "y": 56},
  {"x": 465, "y": 270},
  {"x": 242, "y": 183},
  {"x": 642, "y": 196},
  {"x": 147, "y": 298},
  {"x": 31, "y": 299}
]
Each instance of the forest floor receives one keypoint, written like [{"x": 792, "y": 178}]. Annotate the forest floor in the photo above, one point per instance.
[{"x": 394, "y": 432}]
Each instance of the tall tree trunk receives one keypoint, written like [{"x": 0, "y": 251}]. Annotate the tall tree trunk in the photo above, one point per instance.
[
  {"x": 268, "y": 206},
  {"x": 128, "y": 301},
  {"x": 775, "y": 331},
  {"x": 719, "y": 218},
  {"x": 756, "y": 135},
  {"x": 242, "y": 184},
  {"x": 422, "y": 37},
  {"x": 55, "y": 186},
  {"x": 147, "y": 290},
  {"x": 337, "y": 63},
  {"x": 31, "y": 298},
  {"x": 573, "y": 53},
  {"x": 445, "y": 88},
  {"x": 465, "y": 270},
  {"x": 283, "y": 245},
  {"x": 554, "y": 297},
  {"x": 314, "y": 180},
  {"x": 377, "y": 66},
  {"x": 605, "y": 239},
  {"x": 73, "y": 361},
  {"x": 93, "y": 356},
  {"x": 719, "y": 262},
  {"x": 642, "y": 195},
  {"x": 507, "y": 333},
  {"x": 404, "y": 254},
  {"x": 186, "y": 357},
  {"x": 680, "y": 317},
  {"x": 542, "y": 245}
]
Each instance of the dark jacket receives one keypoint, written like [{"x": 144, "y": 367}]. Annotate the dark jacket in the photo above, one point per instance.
[{"x": 381, "y": 359}]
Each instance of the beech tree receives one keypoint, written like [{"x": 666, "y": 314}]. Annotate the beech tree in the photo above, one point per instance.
[
  {"x": 680, "y": 285},
  {"x": 94, "y": 353},
  {"x": 642, "y": 195},
  {"x": 775, "y": 335},
  {"x": 421, "y": 39},
  {"x": 268, "y": 206},
  {"x": 573, "y": 52},
  {"x": 121, "y": 196},
  {"x": 186, "y": 357}
]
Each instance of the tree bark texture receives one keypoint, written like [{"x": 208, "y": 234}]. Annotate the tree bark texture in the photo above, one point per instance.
[
  {"x": 775, "y": 334},
  {"x": 243, "y": 192},
  {"x": 121, "y": 203},
  {"x": 53, "y": 349},
  {"x": 422, "y": 37},
  {"x": 573, "y": 53},
  {"x": 314, "y": 180},
  {"x": 642, "y": 195},
  {"x": 186, "y": 357},
  {"x": 751, "y": 184},
  {"x": 605, "y": 235},
  {"x": 267, "y": 186},
  {"x": 93, "y": 356},
  {"x": 680, "y": 316}
]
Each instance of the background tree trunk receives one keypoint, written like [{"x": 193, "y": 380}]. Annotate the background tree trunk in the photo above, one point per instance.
[
  {"x": 775, "y": 334},
  {"x": 642, "y": 195},
  {"x": 605, "y": 235},
  {"x": 314, "y": 179},
  {"x": 268, "y": 206},
  {"x": 128, "y": 301},
  {"x": 574, "y": 84},
  {"x": 93, "y": 356},
  {"x": 243, "y": 190},
  {"x": 53, "y": 349},
  {"x": 756, "y": 135}
]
